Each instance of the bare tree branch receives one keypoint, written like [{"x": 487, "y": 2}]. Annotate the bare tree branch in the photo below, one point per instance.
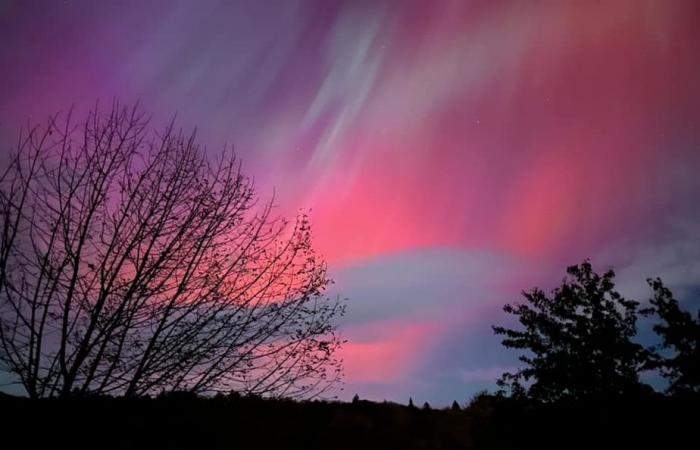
[{"x": 130, "y": 263}]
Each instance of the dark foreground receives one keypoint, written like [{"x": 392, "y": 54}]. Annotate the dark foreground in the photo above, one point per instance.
[{"x": 184, "y": 421}]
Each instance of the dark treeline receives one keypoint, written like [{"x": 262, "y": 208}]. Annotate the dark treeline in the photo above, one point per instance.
[{"x": 183, "y": 420}]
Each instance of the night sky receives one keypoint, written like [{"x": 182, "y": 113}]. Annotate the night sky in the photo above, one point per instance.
[{"x": 451, "y": 153}]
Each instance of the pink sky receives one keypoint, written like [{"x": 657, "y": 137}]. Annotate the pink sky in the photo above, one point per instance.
[{"x": 452, "y": 153}]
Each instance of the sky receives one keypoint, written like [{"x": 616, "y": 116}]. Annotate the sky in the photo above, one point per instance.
[{"x": 451, "y": 153}]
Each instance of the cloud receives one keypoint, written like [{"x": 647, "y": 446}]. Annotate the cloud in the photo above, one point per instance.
[{"x": 422, "y": 319}]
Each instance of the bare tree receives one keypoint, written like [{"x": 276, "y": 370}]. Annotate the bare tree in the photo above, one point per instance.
[{"x": 130, "y": 263}]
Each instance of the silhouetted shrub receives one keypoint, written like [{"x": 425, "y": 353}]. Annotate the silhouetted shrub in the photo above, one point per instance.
[
  {"x": 680, "y": 334},
  {"x": 577, "y": 341}
]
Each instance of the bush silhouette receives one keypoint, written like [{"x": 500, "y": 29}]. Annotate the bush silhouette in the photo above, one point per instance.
[
  {"x": 577, "y": 340},
  {"x": 680, "y": 334}
]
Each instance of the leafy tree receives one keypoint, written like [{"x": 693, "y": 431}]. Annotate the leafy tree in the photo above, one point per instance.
[
  {"x": 680, "y": 334},
  {"x": 577, "y": 340},
  {"x": 131, "y": 263}
]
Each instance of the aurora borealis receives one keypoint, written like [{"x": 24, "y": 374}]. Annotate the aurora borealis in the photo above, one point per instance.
[{"x": 451, "y": 153}]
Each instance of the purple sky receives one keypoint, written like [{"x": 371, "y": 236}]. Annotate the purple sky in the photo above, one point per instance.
[{"x": 452, "y": 153}]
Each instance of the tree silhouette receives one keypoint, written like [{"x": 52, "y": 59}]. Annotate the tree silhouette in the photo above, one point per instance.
[
  {"x": 680, "y": 333},
  {"x": 578, "y": 340},
  {"x": 131, "y": 263}
]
